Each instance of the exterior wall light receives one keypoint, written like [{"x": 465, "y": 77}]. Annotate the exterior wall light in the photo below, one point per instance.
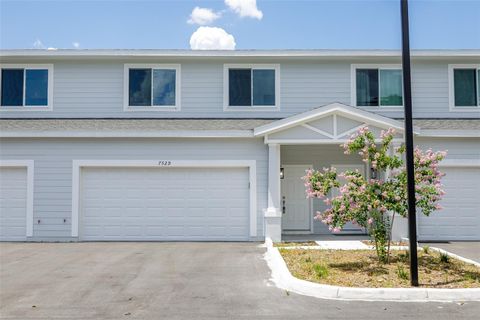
[{"x": 282, "y": 173}]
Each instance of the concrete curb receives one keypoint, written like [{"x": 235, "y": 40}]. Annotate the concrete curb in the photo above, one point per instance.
[{"x": 283, "y": 279}]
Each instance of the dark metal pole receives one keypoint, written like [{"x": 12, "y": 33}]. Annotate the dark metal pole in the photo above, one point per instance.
[{"x": 407, "y": 92}]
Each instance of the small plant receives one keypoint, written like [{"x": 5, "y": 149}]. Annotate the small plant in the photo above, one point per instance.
[
  {"x": 472, "y": 276},
  {"x": 401, "y": 272},
  {"x": 320, "y": 270},
  {"x": 426, "y": 250},
  {"x": 444, "y": 258},
  {"x": 308, "y": 260},
  {"x": 404, "y": 256}
]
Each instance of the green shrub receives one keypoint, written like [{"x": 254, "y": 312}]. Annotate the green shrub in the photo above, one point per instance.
[
  {"x": 321, "y": 270},
  {"x": 444, "y": 258},
  {"x": 401, "y": 272},
  {"x": 426, "y": 249}
]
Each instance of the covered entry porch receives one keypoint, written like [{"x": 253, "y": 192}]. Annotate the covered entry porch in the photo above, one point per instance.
[{"x": 311, "y": 140}]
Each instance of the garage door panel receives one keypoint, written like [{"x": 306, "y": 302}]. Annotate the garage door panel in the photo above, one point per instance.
[
  {"x": 13, "y": 204},
  {"x": 164, "y": 204},
  {"x": 460, "y": 217}
]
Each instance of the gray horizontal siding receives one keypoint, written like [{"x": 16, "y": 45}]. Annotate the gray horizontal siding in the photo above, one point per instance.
[
  {"x": 465, "y": 148},
  {"x": 53, "y": 168},
  {"x": 95, "y": 88}
]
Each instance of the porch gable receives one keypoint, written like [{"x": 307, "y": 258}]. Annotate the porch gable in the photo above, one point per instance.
[{"x": 333, "y": 123}]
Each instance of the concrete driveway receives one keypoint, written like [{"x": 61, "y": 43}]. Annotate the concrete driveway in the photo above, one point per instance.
[
  {"x": 466, "y": 249},
  {"x": 170, "y": 281}
]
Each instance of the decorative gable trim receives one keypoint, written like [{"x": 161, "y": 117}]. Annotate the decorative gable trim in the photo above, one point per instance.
[{"x": 333, "y": 123}]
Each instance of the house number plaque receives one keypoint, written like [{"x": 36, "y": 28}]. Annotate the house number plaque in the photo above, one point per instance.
[{"x": 165, "y": 163}]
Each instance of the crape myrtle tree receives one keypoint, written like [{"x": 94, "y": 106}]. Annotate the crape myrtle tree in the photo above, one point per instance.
[{"x": 373, "y": 203}]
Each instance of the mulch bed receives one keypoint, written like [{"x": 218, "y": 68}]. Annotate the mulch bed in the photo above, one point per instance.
[{"x": 360, "y": 268}]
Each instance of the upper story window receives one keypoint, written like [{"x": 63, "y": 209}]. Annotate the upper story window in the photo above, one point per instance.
[
  {"x": 250, "y": 87},
  {"x": 464, "y": 87},
  {"x": 377, "y": 86},
  {"x": 26, "y": 87},
  {"x": 152, "y": 87}
]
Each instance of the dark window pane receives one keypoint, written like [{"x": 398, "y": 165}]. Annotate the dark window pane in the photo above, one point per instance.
[
  {"x": 12, "y": 87},
  {"x": 478, "y": 86},
  {"x": 140, "y": 87},
  {"x": 391, "y": 88},
  {"x": 465, "y": 87},
  {"x": 163, "y": 87},
  {"x": 240, "y": 87},
  {"x": 36, "y": 87},
  {"x": 367, "y": 87},
  {"x": 263, "y": 87}
]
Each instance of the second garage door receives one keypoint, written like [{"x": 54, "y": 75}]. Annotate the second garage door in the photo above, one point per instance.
[
  {"x": 13, "y": 204},
  {"x": 460, "y": 217},
  {"x": 186, "y": 204}
]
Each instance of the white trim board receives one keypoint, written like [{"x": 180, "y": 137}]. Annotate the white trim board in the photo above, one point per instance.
[
  {"x": 128, "y": 134},
  {"x": 29, "y": 165},
  {"x": 163, "y": 163}
]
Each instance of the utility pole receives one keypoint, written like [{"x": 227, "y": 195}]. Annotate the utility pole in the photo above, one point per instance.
[{"x": 407, "y": 93}]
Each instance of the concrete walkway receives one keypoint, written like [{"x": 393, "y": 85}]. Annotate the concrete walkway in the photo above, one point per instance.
[
  {"x": 171, "y": 281},
  {"x": 466, "y": 249}
]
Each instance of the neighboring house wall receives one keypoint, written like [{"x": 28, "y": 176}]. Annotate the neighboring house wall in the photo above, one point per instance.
[
  {"x": 94, "y": 88},
  {"x": 53, "y": 169}
]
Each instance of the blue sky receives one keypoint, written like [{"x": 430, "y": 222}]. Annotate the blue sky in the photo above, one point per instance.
[{"x": 264, "y": 24}]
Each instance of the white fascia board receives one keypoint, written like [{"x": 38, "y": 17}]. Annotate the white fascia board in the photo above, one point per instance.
[
  {"x": 13, "y": 53},
  {"x": 129, "y": 134},
  {"x": 334, "y": 108}
]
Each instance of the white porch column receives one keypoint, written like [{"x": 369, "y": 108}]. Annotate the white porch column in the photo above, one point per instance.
[{"x": 273, "y": 214}]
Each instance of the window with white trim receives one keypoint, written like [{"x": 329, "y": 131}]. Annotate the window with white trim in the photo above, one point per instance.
[
  {"x": 249, "y": 87},
  {"x": 25, "y": 87},
  {"x": 378, "y": 86},
  {"x": 466, "y": 86},
  {"x": 152, "y": 87}
]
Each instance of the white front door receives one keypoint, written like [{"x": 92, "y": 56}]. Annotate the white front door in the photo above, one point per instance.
[{"x": 296, "y": 208}]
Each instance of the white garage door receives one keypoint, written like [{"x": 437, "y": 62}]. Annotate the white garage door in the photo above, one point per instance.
[
  {"x": 13, "y": 204},
  {"x": 460, "y": 218},
  {"x": 164, "y": 204}
]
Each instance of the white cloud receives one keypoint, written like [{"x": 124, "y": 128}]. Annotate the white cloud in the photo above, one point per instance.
[
  {"x": 38, "y": 44},
  {"x": 245, "y": 8},
  {"x": 76, "y": 45},
  {"x": 203, "y": 16},
  {"x": 212, "y": 38}
]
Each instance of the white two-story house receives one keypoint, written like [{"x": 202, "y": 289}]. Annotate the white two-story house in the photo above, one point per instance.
[{"x": 210, "y": 145}]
